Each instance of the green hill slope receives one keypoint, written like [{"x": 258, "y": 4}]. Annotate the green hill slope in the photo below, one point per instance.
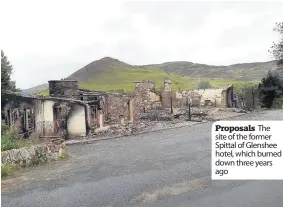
[{"x": 111, "y": 74}]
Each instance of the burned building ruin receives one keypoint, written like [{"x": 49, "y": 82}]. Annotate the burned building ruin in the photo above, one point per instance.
[
  {"x": 68, "y": 110},
  {"x": 74, "y": 112}
]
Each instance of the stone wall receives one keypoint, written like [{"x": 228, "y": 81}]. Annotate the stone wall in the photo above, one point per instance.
[
  {"x": 141, "y": 103},
  {"x": 33, "y": 155},
  {"x": 121, "y": 105},
  {"x": 118, "y": 105}
]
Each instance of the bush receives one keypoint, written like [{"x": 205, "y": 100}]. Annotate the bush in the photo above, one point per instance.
[
  {"x": 10, "y": 139},
  {"x": 270, "y": 88},
  {"x": 242, "y": 88},
  {"x": 63, "y": 154},
  {"x": 4, "y": 128},
  {"x": 278, "y": 103},
  {"x": 6, "y": 169},
  {"x": 204, "y": 85}
]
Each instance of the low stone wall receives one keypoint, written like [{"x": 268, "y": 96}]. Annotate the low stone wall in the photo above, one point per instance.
[{"x": 33, "y": 155}]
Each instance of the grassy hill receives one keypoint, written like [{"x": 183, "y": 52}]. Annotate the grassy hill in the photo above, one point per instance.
[{"x": 111, "y": 74}]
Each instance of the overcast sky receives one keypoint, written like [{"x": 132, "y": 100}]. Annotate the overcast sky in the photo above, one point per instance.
[{"x": 51, "y": 39}]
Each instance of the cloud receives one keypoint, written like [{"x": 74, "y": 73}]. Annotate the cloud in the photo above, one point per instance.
[{"x": 52, "y": 39}]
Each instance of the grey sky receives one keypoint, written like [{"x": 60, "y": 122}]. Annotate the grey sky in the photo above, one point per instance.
[{"x": 51, "y": 39}]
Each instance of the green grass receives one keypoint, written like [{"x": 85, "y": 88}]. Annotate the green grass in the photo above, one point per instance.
[
  {"x": 44, "y": 92},
  {"x": 10, "y": 139},
  {"x": 64, "y": 154},
  {"x": 124, "y": 78},
  {"x": 8, "y": 169}
]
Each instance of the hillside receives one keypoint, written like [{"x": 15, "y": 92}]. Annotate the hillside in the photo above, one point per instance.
[
  {"x": 112, "y": 74},
  {"x": 243, "y": 71},
  {"x": 36, "y": 89}
]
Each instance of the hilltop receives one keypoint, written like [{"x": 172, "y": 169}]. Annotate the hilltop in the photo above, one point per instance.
[
  {"x": 243, "y": 71},
  {"x": 112, "y": 74}
]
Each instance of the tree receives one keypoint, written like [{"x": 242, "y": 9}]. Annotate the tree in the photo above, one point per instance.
[
  {"x": 6, "y": 71},
  {"x": 277, "y": 48},
  {"x": 270, "y": 88},
  {"x": 204, "y": 85}
]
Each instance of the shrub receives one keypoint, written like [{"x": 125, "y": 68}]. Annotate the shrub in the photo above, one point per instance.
[
  {"x": 4, "y": 128},
  {"x": 5, "y": 170},
  {"x": 270, "y": 88},
  {"x": 204, "y": 85},
  {"x": 278, "y": 103},
  {"x": 10, "y": 139},
  {"x": 63, "y": 154}
]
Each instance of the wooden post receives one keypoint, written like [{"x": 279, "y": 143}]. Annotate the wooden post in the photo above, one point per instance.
[
  {"x": 131, "y": 112},
  {"x": 253, "y": 98},
  {"x": 171, "y": 103},
  {"x": 26, "y": 123},
  {"x": 189, "y": 111},
  {"x": 101, "y": 120}
]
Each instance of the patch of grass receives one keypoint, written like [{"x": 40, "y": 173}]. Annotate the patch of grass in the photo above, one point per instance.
[
  {"x": 44, "y": 92},
  {"x": 8, "y": 169},
  {"x": 5, "y": 170},
  {"x": 64, "y": 154},
  {"x": 10, "y": 139}
]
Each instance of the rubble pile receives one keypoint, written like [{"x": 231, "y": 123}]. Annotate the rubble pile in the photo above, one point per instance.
[
  {"x": 236, "y": 110},
  {"x": 156, "y": 119},
  {"x": 119, "y": 129},
  {"x": 157, "y": 115},
  {"x": 196, "y": 114}
]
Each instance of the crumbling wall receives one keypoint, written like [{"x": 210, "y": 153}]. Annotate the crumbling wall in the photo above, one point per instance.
[
  {"x": 142, "y": 102},
  {"x": 130, "y": 106},
  {"x": 206, "y": 97},
  {"x": 118, "y": 105}
]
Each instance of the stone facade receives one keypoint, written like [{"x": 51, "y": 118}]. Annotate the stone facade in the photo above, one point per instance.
[
  {"x": 118, "y": 106},
  {"x": 32, "y": 155},
  {"x": 129, "y": 106},
  {"x": 142, "y": 102}
]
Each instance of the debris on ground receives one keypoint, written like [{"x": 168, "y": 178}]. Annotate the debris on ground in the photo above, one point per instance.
[
  {"x": 162, "y": 118},
  {"x": 157, "y": 115}
]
